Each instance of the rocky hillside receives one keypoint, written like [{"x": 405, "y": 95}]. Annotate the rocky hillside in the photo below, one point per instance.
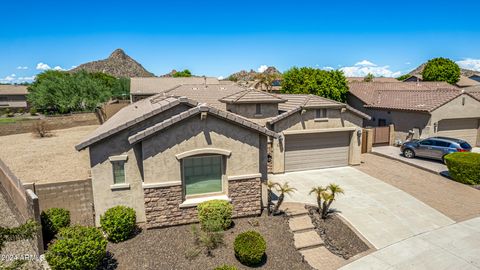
[
  {"x": 464, "y": 72},
  {"x": 118, "y": 64},
  {"x": 244, "y": 75}
]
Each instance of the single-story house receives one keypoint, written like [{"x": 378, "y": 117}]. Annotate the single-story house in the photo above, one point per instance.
[
  {"x": 143, "y": 87},
  {"x": 426, "y": 108},
  {"x": 164, "y": 154},
  {"x": 13, "y": 96},
  {"x": 375, "y": 79},
  {"x": 464, "y": 81}
]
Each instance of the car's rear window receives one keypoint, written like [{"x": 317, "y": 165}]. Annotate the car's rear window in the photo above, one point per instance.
[{"x": 465, "y": 145}]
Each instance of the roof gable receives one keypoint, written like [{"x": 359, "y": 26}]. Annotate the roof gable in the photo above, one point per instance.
[
  {"x": 252, "y": 96},
  {"x": 203, "y": 108}
]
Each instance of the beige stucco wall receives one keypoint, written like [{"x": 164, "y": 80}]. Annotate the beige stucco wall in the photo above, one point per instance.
[
  {"x": 102, "y": 172},
  {"x": 249, "y": 110},
  {"x": 160, "y": 150},
  {"x": 336, "y": 118}
]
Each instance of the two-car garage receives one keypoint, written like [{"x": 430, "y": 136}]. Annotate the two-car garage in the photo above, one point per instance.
[
  {"x": 316, "y": 150},
  {"x": 466, "y": 129}
]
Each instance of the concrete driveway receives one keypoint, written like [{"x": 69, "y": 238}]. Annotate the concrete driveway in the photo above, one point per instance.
[
  {"x": 455, "y": 246},
  {"x": 393, "y": 152},
  {"x": 383, "y": 214}
]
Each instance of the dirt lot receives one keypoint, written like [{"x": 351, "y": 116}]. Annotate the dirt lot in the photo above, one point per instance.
[
  {"x": 166, "y": 248},
  {"x": 52, "y": 159},
  {"x": 455, "y": 200}
]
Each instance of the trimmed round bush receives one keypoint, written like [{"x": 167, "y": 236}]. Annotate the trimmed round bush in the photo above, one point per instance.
[
  {"x": 118, "y": 223},
  {"x": 250, "y": 248},
  {"x": 53, "y": 220},
  {"x": 215, "y": 212},
  {"x": 77, "y": 247},
  {"x": 225, "y": 267},
  {"x": 464, "y": 167}
]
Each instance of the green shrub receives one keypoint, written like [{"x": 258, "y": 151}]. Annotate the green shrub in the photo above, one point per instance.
[
  {"x": 464, "y": 167},
  {"x": 215, "y": 212},
  {"x": 225, "y": 267},
  {"x": 249, "y": 248},
  {"x": 118, "y": 223},
  {"x": 33, "y": 111},
  {"x": 77, "y": 248},
  {"x": 53, "y": 220}
]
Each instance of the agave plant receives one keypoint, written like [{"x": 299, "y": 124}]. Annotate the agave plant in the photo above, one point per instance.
[{"x": 283, "y": 189}]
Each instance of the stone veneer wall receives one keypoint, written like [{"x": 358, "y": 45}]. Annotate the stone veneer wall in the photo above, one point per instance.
[{"x": 162, "y": 204}]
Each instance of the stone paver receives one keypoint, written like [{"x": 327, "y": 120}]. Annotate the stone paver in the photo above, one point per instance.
[
  {"x": 383, "y": 214},
  {"x": 322, "y": 258},
  {"x": 456, "y": 246},
  {"x": 301, "y": 223},
  {"x": 308, "y": 239},
  {"x": 294, "y": 209},
  {"x": 434, "y": 166},
  {"x": 455, "y": 200}
]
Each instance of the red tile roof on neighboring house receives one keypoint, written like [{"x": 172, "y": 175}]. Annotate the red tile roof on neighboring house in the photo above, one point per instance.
[
  {"x": 375, "y": 79},
  {"x": 367, "y": 91}
]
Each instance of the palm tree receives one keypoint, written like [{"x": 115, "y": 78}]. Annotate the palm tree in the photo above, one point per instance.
[
  {"x": 318, "y": 191},
  {"x": 283, "y": 189},
  {"x": 270, "y": 186},
  {"x": 329, "y": 196}
]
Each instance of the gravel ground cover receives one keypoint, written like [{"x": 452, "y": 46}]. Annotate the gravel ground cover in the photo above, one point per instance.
[
  {"x": 17, "y": 249},
  {"x": 166, "y": 248},
  {"x": 338, "y": 236},
  {"x": 51, "y": 159}
]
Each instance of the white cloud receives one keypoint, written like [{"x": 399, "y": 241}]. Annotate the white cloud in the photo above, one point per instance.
[
  {"x": 22, "y": 67},
  {"x": 42, "y": 66},
  {"x": 73, "y": 67},
  {"x": 363, "y": 68},
  {"x": 12, "y": 78},
  {"x": 328, "y": 68},
  {"x": 220, "y": 78},
  {"x": 365, "y": 63},
  {"x": 407, "y": 63},
  {"x": 262, "y": 68},
  {"x": 469, "y": 63},
  {"x": 58, "y": 68},
  {"x": 8, "y": 79}
]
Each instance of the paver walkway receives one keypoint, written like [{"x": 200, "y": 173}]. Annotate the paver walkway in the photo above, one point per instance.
[
  {"x": 307, "y": 241},
  {"x": 455, "y": 200},
  {"x": 383, "y": 214},
  {"x": 455, "y": 246}
]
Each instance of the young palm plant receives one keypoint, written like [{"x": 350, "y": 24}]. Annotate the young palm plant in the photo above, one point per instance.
[
  {"x": 270, "y": 185},
  {"x": 283, "y": 189},
  {"x": 318, "y": 191},
  {"x": 328, "y": 197}
]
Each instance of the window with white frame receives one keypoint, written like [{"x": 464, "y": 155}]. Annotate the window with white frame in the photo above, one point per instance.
[
  {"x": 118, "y": 171},
  {"x": 202, "y": 174},
  {"x": 321, "y": 113}
]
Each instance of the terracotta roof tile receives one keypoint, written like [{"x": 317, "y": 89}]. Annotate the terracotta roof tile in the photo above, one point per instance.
[
  {"x": 252, "y": 96},
  {"x": 156, "y": 85},
  {"x": 8, "y": 89},
  {"x": 304, "y": 100},
  {"x": 210, "y": 94}
]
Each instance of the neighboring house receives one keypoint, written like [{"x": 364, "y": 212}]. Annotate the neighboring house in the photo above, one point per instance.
[
  {"x": 375, "y": 79},
  {"x": 13, "y": 96},
  {"x": 143, "y": 87},
  {"x": 427, "y": 108},
  {"x": 475, "y": 77},
  {"x": 464, "y": 81},
  {"x": 165, "y": 154}
]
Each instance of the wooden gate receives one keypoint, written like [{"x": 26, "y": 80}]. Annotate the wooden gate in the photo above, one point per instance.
[{"x": 381, "y": 135}]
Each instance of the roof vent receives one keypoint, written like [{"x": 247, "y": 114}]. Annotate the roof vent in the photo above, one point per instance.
[{"x": 194, "y": 88}]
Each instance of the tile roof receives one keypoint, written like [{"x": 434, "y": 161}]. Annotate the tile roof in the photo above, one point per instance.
[
  {"x": 194, "y": 111},
  {"x": 475, "y": 94},
  {"x": 132, "y": 114},
  {"x": 415, "y": 100},
  {"x": 367, "y": 91},
  {"x": 376, "y": 79},
  {"x": 10, "y": 89},
  {"x": 209, "y": 94},
  {"x": 252, "y": 96},
  {"x": 466, "y": 82},
  {"x": 305, "y": 100},
  {"x": 155, "y": 85}
]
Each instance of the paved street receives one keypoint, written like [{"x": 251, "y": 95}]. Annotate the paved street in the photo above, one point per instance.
[
  {"x": 382, "y": 213},
  {"x": 455, "y": 246}
]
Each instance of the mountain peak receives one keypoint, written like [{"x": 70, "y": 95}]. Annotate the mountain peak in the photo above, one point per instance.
[{"x": 119, "y": 54}]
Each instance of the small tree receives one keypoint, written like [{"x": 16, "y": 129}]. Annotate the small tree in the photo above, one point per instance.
[
  {"x": 441, "y": 69},
  {"x": 41, "y": 129},
  {"x": 184, "y": 73},
  {"x": 270, "y": 185},
  {"x": 369, "y": 78},
  {"x": 283, "y": 189},
  {"x": 325, "y": 197}
]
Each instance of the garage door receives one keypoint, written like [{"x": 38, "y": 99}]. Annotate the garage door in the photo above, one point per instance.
[
  {"x": 316, "y": 150},
  {"x": 465, "y": 129}
]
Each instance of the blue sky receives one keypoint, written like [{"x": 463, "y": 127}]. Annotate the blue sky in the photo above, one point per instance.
[{"x": 216, "y": 38}]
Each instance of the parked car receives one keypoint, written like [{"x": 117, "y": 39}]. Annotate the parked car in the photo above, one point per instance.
[{"x": 434, "y": 147}]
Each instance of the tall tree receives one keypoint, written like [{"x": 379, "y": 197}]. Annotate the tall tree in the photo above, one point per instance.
[
  {"x": 183, "y": 73},
  {"x": 441, "y": 69},
  {"x": 306, "y": 80}
]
